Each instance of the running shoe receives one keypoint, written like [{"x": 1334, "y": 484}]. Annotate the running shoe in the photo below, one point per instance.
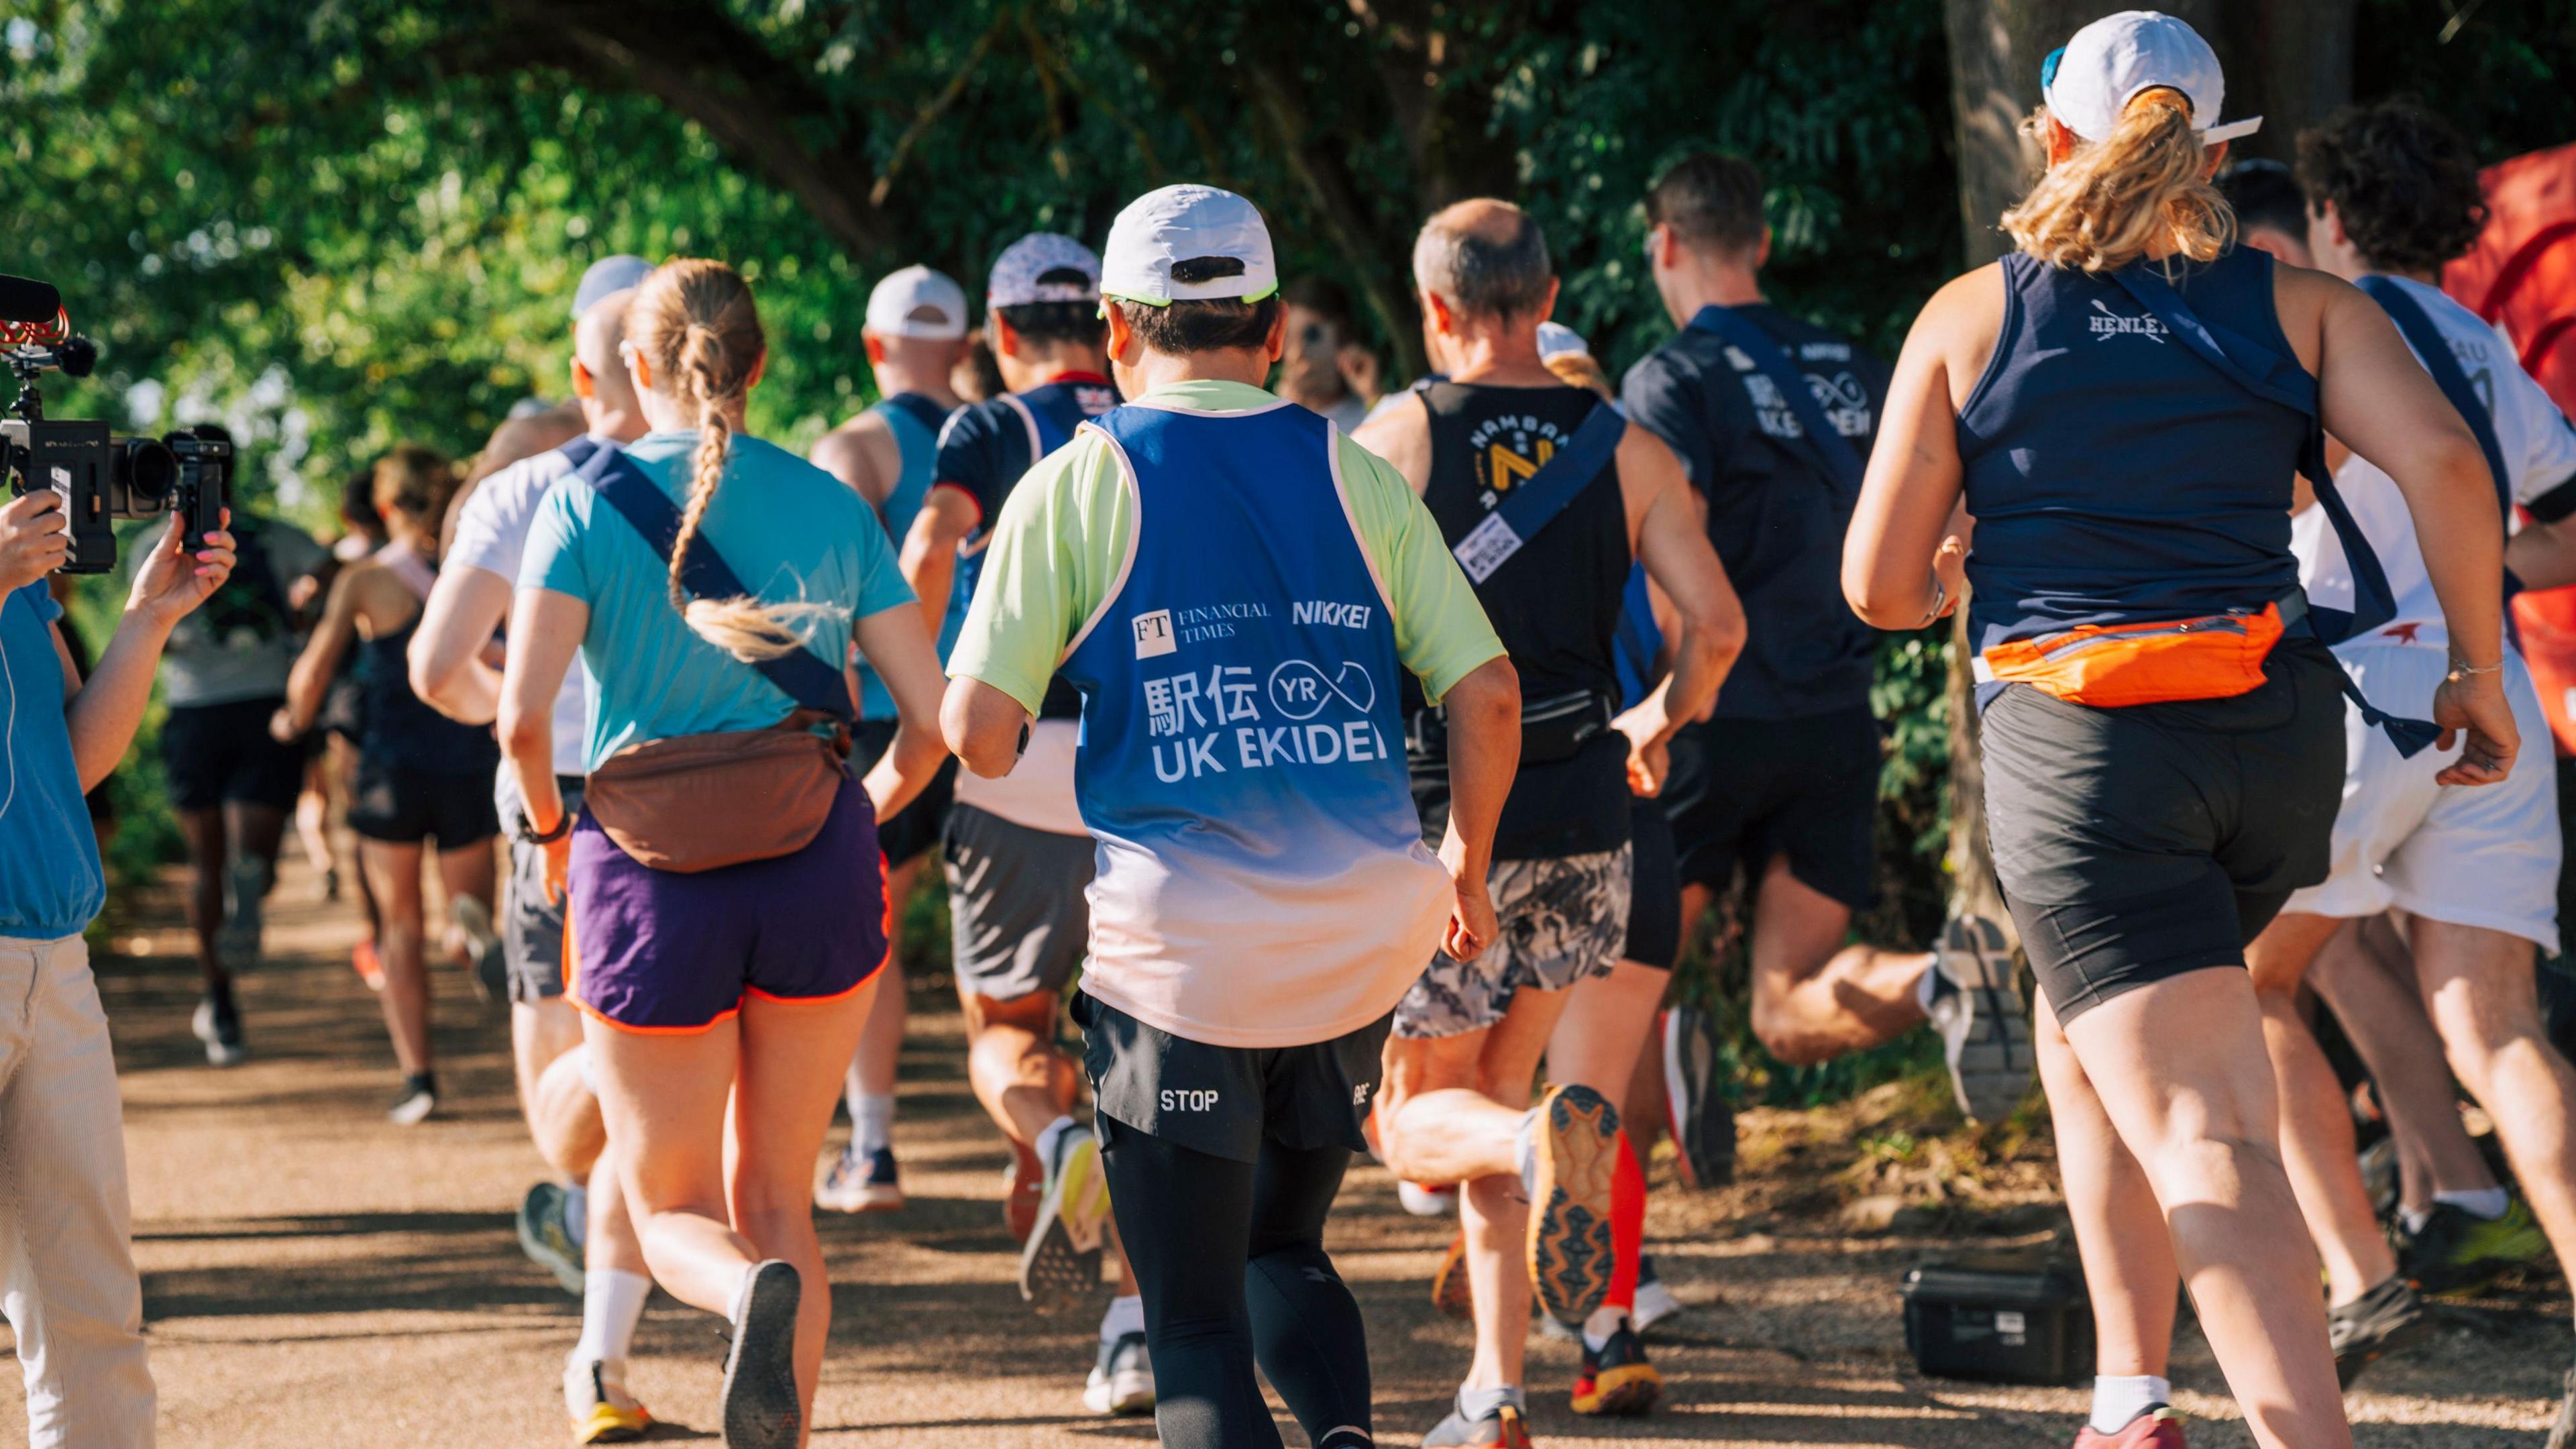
[
  {"x": 861, "y": 1182},
  {"x": 369, "y": 966},
  {"x": 1985, "y": 1029},
  {"x": 1615, "y": 1381},
  {"x": 2562, "y": 1434},
  {"x": 1450, "y": 1292},
  {"x": 602, "y": 1411},
  {"x": 419, "y": 1098},
  {"x": 1024, "y": 1188},
  {"x": 2157, "y": 1428},
  {"x": 217, "y": 1023},
  {"x": 2378, "y": 1323},
  {"x": 1504, "y": 1428},
  {"x": 1427, "y": 1202},
  {"x": 545, "y": 1234},
  {"x": 1573, "y": 1144},
  {"x": 246, "y": 886},
  {"x": 491, "y": 970},
  {"x": 1654, "y": 1302},
  {"x": 1695, "y": 1105},
  {"x": 1060, "y": 1265},
  {"x": 2458, "y": 1252},
  {"x": 1123, "y": 1381},
  {"x": 760, "y": 1408}
]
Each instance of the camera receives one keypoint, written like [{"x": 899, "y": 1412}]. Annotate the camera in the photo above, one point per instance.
[{"x": 102, "y": 477}]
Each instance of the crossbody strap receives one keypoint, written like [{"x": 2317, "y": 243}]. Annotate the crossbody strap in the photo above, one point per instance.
[
  {"x": 614, "y": 477},
  {"x": 1543, "y": 495},
  {"x": 920, "y": 409},
  {"x": 2435, "y": 351},
  {"x": 1824, "y": 446}
]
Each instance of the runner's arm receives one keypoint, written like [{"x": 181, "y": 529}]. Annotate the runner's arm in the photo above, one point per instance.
[
  {"x": 101, "y": 713},
  {"x": 1673, "y": 545},
  {"x": 1401, "y": 436},
  {"x": 2543, "y": 554},
  {"x": 446, "y": 655},
  {"x": 908, "y": 662},
  {"x": 546, "y": 629},
  {"x": 929, "y": 557},
  {"x": 1902, "y": 568},
  {"x": 1484, "y": 753},
  {"x": 311, "y": 677},
  {"x": 850, "y": 453}
]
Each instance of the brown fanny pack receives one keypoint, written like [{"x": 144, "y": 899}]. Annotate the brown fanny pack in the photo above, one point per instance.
[{"x": 703, "y": 802}]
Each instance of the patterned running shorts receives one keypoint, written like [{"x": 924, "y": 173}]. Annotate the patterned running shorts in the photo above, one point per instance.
[{"x": 1561, "y": 921}]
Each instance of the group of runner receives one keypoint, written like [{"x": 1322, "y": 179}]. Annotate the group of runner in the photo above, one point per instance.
[{"x": 1363, "y": 777}]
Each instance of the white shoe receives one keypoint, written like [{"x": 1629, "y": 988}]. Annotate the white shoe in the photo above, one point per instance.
[
  {"x": 414, "y": 1106},
  {"x": 603, "y": 1412},
  {"x": 1653, "y": 1304},
  {"x": 221, "y": 1034},
  {"x": 1984, "y": 1025},
  {"x": 1427, "y": 1202},
  {"x": 1123, "y": 1381}
]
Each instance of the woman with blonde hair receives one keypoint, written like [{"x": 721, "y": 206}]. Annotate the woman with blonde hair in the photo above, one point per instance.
[
  {"x": 727, "y": 911},
  {"x": 413, "y": 781},
  {"x": 2121, "y": 405}
]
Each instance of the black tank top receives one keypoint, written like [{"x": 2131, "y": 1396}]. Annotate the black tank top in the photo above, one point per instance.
[
  {"x": 1555, "y": 605},
  {"x": 403, "y": 732}
]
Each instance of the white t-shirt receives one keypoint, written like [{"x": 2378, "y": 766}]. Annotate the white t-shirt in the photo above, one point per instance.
[
  {"x": 1038, "y": 793},
  {"x": 2539, "y": 451},
  {"x": 491, "y": 533}
]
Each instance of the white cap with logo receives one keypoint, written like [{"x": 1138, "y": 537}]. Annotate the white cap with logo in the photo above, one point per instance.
[
  {"x": 917, "y": 302},
  {"x": 1181, "y": 224},
  {"x": 1555, "y": 339},
  {"x": 1016, "y": 277},
  {"x": 2091, "y": 79}
]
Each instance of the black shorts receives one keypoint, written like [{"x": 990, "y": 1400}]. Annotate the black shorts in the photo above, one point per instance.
[
  {"x": 917, "y": 827},
  {"x": 1745, "y": 790},
  {"x": 2141, "y": 843},
  {"x": 219, "y": 753},
  {"x": 1654, "y": 890},
  {"x": 405, "y": 807},
  {"x": 1227, "y": 1101}
]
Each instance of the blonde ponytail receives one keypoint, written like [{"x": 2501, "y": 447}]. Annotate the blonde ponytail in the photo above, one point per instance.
[
  {"x": 2142, "y": 191},
  {"x": 693, "y": 320}
]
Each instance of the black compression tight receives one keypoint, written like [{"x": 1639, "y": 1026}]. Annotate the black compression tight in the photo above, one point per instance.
[{"x": 1230, "y": 1259}]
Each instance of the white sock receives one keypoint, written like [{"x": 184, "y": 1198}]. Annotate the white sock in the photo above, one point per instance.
[
  {"x": 2415, "y": 1221},
  {"x": 1045, "y": 1145},
  {"x": 612, "y": 1303},
  {"x": 1605, "y": 1321},
  {"x": 871, "y": 1121},
  {"x": 1125, "y": 1316},
  {"x": 2118, "y": 1401},
  {"x": 2488, "y": 1203},
  {"x": 577, "y": 1215},
  {"x": 1525, "y": 1152}
]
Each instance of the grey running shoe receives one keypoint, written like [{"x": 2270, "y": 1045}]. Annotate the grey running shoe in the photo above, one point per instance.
[
  {"x": 1505, "y": 1427},
  {"x": 545, "y": 1234},
  {"x": 760, "y": 1407},
  {"x": 2380, "y": 1322},
  {"x": 1695, "y": 1105},
  {"x": 1060, "y": 1264},
  {"x": 1985, "y": 1028},
  {"x": 491, "y": 972},
  {"x": 246, "y": 886},
  {"x": 1122, "y": 1382}
]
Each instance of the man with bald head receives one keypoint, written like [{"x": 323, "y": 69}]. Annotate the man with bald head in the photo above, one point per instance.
[
  {"x": 583, "y": 1236},
  {"x": 1548, "y": 498}
]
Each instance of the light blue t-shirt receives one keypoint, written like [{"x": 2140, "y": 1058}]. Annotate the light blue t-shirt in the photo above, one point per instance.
[
  {"x": 50, "y": 881},
  {"x": 793, "y": 534}
]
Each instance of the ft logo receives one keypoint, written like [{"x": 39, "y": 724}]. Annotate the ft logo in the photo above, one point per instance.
[{"x": 1154, "y": 634}]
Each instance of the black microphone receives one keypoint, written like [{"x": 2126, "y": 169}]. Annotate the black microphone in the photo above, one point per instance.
[{"x": 26, "y": 300}]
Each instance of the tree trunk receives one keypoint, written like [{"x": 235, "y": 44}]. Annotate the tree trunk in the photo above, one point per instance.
[{"x": 2290, "y": 62}]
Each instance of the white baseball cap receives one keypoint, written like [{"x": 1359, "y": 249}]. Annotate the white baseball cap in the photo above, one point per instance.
[
  {"x": 2092, "y": 78},
  {"x": 917, "y": 302},
  {"x": 1014, "y": 279},
  {"x": 1555, "y": 339},
  {"x": 607, "y": 276},
  {"x": 1184, "y": 223}
]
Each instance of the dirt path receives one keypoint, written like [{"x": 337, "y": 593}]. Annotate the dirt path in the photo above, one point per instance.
[{"x": 314, "y": 1277}]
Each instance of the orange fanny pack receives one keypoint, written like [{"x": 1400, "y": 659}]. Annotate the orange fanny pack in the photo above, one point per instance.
[{"x": 2112, "y": 665}]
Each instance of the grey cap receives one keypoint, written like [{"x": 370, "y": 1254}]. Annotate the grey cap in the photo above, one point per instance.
[{"x": 607, "y": 275}]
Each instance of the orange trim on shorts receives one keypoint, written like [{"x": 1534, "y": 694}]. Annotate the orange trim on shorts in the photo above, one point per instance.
[{"x": 842, "y": 995}]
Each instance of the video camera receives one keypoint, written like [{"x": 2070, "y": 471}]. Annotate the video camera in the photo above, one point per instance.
[{"x": 101, "y": 477}]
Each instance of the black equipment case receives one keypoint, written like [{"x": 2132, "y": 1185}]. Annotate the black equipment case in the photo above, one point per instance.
[{"x": 2015, "y": 1318}]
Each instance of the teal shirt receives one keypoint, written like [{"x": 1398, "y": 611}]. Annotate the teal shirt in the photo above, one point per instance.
[
  {"x": 50, "y": 881},
  {"x": 792, "y": 533}
]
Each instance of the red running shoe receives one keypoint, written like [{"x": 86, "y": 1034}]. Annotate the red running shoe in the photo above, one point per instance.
[{"x": 2157, "y": 1428}]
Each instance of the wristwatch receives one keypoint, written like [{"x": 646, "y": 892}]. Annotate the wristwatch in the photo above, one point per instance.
[{"x": 528, "y": 829}]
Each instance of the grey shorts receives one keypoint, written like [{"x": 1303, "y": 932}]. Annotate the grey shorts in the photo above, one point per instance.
[
  {"x": 1561, "y": 921},
  {"x": 531, "y": 931},
  {"x": 1227, "y": 1101},
  {"x": 1018, "y": 922}
]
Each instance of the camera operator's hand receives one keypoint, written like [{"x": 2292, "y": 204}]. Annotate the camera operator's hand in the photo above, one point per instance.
[
  {"x": 35, "y": 539},
  {"x": 173, "y": 579}
]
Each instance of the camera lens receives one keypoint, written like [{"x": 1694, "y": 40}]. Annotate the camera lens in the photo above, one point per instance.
[{"x": 148, "y": 470}]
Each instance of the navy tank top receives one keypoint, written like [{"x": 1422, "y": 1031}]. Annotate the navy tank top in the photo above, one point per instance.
[
  {"x": 402, "y": 731},
  {"x": 2115, "y": 476}
]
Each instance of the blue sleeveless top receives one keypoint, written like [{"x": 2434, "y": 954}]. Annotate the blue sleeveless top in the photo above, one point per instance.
[
  {"x": 910, "y": 418},
  {"x": 2115, "y": 476},
  {"x": 1242, "y": 760}
]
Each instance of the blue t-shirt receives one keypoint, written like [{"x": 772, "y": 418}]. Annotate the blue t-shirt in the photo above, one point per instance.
[
  {"x": 50, "y": 882},
  {"x": 792, "y": 533}
]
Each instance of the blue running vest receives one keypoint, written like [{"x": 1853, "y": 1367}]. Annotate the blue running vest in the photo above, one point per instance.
[
  {"x": 914, "y": 421},
  {"x": 1262, "y": 878}
]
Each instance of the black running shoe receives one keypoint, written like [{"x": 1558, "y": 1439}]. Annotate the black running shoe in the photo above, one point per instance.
[
  {"x": 545, "y": 1234},
  {"x": 2380, "y": 1322},
  {"x": 1615, "y": 1380},
  {"x": 2457, "y": 1251},
  {"x": 760, "y": 1408},
  {"x": 1696, "y": 1109}
]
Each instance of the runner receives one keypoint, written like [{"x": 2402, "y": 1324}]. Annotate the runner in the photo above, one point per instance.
[
  {"x": 2271, "y": 209},
  {"x": 727, "y": 911},
  {"x": 582, "y": 1233},
  {"x": 915, "y": 334},
  {"x": 1468, "y": 1038},
  {"x": 1231, "y": 586},
  {"x": 1772, "y": 418},
  {"x": 2395, "y": 195},
  {"x": 1017, "y": 856},
  {"x": 420, "y": 776},
  {"x": 1328, "y": 368},
  {"x": 223, "y": 675},
  {"x": 2049, "y": 385}
]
